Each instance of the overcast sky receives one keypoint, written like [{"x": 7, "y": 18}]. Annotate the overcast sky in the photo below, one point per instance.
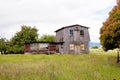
[{"x": 50, "y": 15}]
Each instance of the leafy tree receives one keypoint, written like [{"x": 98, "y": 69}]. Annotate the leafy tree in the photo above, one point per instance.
[
  {"x": 47, "y": 38},
  {"x": 3, "y": 46},
  {"x": 110, "y": 31},
  {"x": 26, "y": 35}
]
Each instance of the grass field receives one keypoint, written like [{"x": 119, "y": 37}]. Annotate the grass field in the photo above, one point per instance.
[{"x": 97, "y": 65}]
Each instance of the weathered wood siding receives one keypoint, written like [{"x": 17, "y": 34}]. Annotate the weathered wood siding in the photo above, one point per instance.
[
  {"x": 76, "y": 39},
  {"x": 60, "y": 38},
  {"x": 40, "y": 48}
]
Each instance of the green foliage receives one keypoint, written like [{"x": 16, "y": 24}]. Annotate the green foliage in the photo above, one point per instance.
[
  {"x": 47, "y": 38},
  {"x": 98, "y": 66},
  {"x": 110, "y": 31},
  {"x": 116, "y": 15},
  {"x": 3, "y": 45},
  {"x": 26, "y": 35},
  {"x": 95, "y": 47}
]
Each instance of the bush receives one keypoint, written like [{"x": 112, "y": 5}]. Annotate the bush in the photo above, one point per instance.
[{"x": 95, "y": 47}]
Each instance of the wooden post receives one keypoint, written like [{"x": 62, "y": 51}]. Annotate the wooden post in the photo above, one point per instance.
[{"x": 118, "y": 56}]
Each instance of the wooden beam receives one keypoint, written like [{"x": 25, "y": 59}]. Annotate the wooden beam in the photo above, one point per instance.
[{"x": 118, "y": 56}]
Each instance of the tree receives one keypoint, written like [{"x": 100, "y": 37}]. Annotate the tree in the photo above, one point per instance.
[
  {"x": 26, "y": 35},
  {"x": 110, "y": 31},
  {"x": 3, "y": 46},
  {"x": 47, "y": 38}
]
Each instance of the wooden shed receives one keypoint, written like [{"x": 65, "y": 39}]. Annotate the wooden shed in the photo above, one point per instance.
[{"x": 40, "y": 47}]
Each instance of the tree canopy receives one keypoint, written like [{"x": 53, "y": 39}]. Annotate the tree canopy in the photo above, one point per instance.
[
  {"x": 26, "y": 35},
  {"x": 110, "y": 31},
  {"x": 3, "y": 46},
  {"x": 47, "y": 38}
]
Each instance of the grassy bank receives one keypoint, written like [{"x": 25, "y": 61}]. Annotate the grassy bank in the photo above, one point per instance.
[{"x": 97, "y": 65}]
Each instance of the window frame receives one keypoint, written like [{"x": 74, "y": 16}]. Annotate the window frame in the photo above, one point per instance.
[
  {"x": 71, "y": 46},
  {"x": 71, "y": 32},
  {"x": 43, "y": 46},
  {"x": 82, "y": 32},
  {"x": 82, "y": 47},
  {"x": 33, "y": 46}
]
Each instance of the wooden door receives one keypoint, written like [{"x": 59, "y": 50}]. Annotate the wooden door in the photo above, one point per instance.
[
  {"x": 77, "y": 48},
  {"x": 27, "y": 47},
  {"x": 77, "y": 35}
]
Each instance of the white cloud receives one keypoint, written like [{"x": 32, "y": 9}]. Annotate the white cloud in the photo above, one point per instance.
[{"x": 49, "y": 15}]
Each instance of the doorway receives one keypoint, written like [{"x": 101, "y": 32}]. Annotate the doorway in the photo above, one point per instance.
[{"x": 77, "y": 48}]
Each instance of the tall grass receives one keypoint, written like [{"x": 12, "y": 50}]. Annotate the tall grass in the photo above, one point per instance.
[{"x": 97, "y": 65}]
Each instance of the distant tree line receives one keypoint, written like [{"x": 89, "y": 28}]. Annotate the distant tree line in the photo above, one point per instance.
[
  {"x": 95, "y": 47},
  {"x": 27, "y": 34}
]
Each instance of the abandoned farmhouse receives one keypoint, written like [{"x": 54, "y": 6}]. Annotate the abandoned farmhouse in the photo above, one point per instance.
[{"x": 73, "y": 39}]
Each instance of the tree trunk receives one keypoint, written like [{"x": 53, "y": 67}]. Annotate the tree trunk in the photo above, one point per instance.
[{"x": 2, "y": 52}]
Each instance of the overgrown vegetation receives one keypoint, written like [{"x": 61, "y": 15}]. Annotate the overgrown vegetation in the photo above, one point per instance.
[{"x": 98, "y": 65}]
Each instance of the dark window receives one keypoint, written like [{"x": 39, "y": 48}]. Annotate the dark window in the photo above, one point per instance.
[
  {"x": 82, "y": 32},
  {"x": 71, "y": 32}
]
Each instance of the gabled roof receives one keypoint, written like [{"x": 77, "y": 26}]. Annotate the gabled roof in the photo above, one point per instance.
[{"x": 71, "y": 26}]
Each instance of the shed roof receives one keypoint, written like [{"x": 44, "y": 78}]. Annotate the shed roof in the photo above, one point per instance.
[
  {"x": 45, "y": 42},
  {"x": 71, "y": 26}
]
